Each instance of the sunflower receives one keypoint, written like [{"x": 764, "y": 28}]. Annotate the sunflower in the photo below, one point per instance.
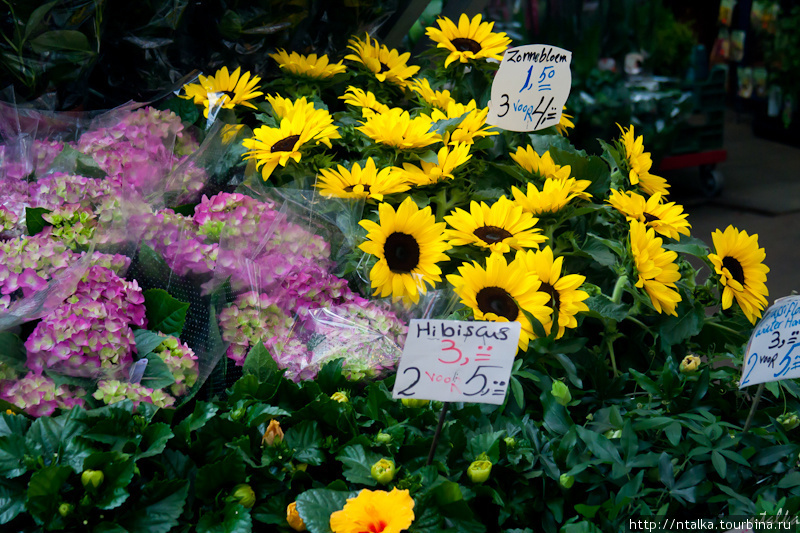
[
  {"x": 387, "y": 64},
  {"x": 564, "y": 122},
  {"x": 367, "y": 101},
  {"x": 655, "y": 267},
  {"x": 501, "y": 293},
  {"x": 499, "y": 228},
  {"x": 553, "y": 197},
  {"x": 565, "y": 297},
  {"x": 310, "y": 66},
  {"x": 449, "y": 157},
  {"x": 286, "y": 107},
  {"x": 639, "y": 163},
  {"x": 667, "y": 219},
  {"x": 271, "y": 147},
  {"x": 378, "y": 510},
  {"x": 469, "y": 40},
  {"x": 472, "y": 124},
  {"x": 223, "y": 90},
  {"x": 541, "y": 165},
  {"x": 396, "y": 128},
  {"x": 437, "y": 99},
  {"x": 360, "y": 183},
  {"x": 408, "y": 244},
  {"x": 740, "y": 263}
]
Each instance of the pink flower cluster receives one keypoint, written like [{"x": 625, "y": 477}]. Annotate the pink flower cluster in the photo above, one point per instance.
[
  {"x": 112, "y": 391},
  {"x": 39, "y": 396},
  {"x": 182, "y": 363},
  {"x": 90, "y": 333}
]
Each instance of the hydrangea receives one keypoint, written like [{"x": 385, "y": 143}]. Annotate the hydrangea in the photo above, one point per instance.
[
  {"x": 59, "y": 188},
  {"x": 91, "y": 331},
  {"x": 27, "y": 263},
  {"x": 6, "y": 372},
  {"x": 113, "y": 391},
  {"x": 38, "y": 395},
  {"x": 251, "y": 317},
  {"x": 182, "y": 363},
  {"x": 72, "y": 224}
]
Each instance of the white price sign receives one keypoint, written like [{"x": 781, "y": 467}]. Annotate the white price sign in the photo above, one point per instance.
[
  {"x": 454, "y": 361},
  {"x": 530, "y": 88},
  {"x": 773, "y": 352}
]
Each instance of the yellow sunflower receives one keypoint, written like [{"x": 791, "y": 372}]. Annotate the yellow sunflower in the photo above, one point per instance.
[
  {"x": 543, "y": 165},
  {"x": 367, "y": 101},
  {"x": 408, "y": 244},
  {"x": 499, "y": 228},
  {"x": 223, "y": 90},
  {"x": 472, "y": 125},
  {"x": 655, "y": 268},
  {"x": 740, "y": 264},
  {"x": 470, "y": 40},
  {"x": 286, "y": 107},
  {"x": 438, "y": 99},
  {"x": 553, "y": 197},
  {"x": 360, "y": 183},
  {"x": 667, "y": 219},
  {"x": 271, "y": 147},
  {"x": 309, "y": 66},
  {"x": 396, "y": 128},
  {"x": 564, "y": 123},
  {"x": 373, "y": 511},
  {"x": 639, "y": 164},
  {"x": 565, "y": 297},
  {"x": 385, "y": 63},
  {"x": 501, "y": 292},
  {"x": 449, "y": 157}
]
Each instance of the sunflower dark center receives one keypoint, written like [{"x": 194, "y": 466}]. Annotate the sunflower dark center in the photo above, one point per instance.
[
  {"x": 402, "y": 252},
  {"x": 549, "y": 289},
  {"x": 350, "y": 188},
  {"x": 285, "y": 145},
  {"x": 491, "y": 234},
  {"x": 650, "y": 218},
  {"x": 384, "y": 67},
  {"x": 498, "y": 301},
  {"x": 462, "y": 45},
  {"x": 229, "y": 94},
  {"x": 735, "y": 268}
]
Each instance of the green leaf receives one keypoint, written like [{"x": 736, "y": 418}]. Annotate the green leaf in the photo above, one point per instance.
[
  {"x": 118, "y": 470},
  {"x": 151, "y": 263},
  {"x": 603, "y": 306},
  {"x": 689, "y": 245},
  {"x": 772, "y": 454},
  {"x": 673, "y": 432},
  {"x": 158, "y": 508},
  {"x": 258, "y": 414},
  {"x": 675, "y": 330},
  {"x": 43, "y": 491},
  {"x": 34, "y": 221},
  {"x": 488, "y": 443},
  {"x": 157, "y": 374},
  {"x": 234, "y": 518},
  {"x": 72, "y": 161},
  {"x": 203, "y": 412},
  {"x": 146, "y": 341},
  {"x": 599, "y": 445},
  {"x": 36, "y": 18},
  {"x": 154, "y": 439},
  {"x": 12, "y": 454},
  {"x": 58, "y": 40},
  {"x": 60, "y": 435},
  {"x": 164, "y": 313},
  {"x": 720, "y": 465},
  {"x": 792, "y": 479},
  {"x": 12, "y": 352},
  {"x": 12, "y": 502},
  {"x": 304, "y": 440},
  {"x": 211, "y": 478},
  {"x": 358, "y": 464},
  {"x": 316, "y": 506},
  {"x": 260, "y": 363},
  {"x": 665, "y": 470}
]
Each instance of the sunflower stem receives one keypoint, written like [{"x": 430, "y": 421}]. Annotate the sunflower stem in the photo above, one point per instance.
[
  {"x": 616, "y": 296},
  {"x": 612, "y": 357}
]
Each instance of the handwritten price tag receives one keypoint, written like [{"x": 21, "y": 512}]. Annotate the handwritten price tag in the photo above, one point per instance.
[
  {"x": 456, "y": 361},
  {"x": 773, "y": 352},
  {"x": 530, "y": 88}
]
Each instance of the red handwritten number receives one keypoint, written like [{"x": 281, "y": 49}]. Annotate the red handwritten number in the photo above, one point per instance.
[{"x": 452, "y": 347}]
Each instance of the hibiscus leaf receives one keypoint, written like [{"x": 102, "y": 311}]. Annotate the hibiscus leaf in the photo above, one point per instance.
[
  {"x": 234, "y": 518},
  {"x": 158, "y": 508},
  {"x": 358, "y": 464},
  {"x": 165, "y": 313},
  {"x": 34, "y": 221},
  {"x": 315, "y": 507}
]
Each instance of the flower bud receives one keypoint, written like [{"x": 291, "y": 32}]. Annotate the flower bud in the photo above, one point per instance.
[
  {"x": 65, "y": 509},
  {"x": 340, "y": 397},
  {"x": 236, "y": 414},
  {"x": 92, "y": 478},
  {"x": 566, "y": 481},
  {"x": 273, "y": 435},
  {"x": 789, "y": 421},
  {"x": 383, "y": 471},
  {"x": 301, "y": 467},
  {"x": 244, "y": 494},
  {"x": 511, "y": 442},
  {"x": 293, "y": 518},
  {"x": 613, "y": 434},
  {"x": 479, "y": 471},
  {"x": 690, "y": 364},
  {"x": 413, "y": 402},
  {"x": 383, "y": 438},
  {"x": 561, "y": 393}
]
